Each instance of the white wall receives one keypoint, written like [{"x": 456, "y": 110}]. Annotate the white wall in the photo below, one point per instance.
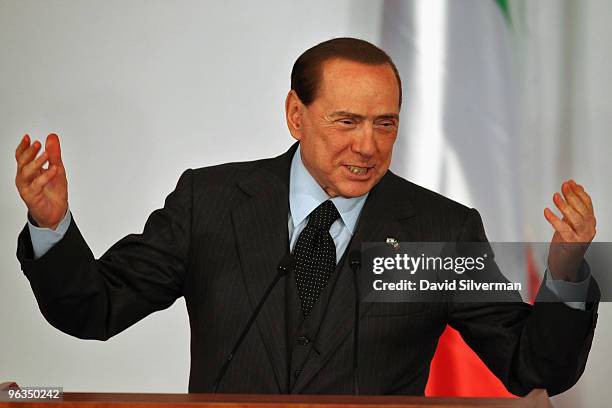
[
  {"x": 588, "y": 151},
  {"x": 138, "y": 91}
]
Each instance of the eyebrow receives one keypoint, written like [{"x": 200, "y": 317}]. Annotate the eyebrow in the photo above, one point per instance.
[{"x": 358, "y": 116}]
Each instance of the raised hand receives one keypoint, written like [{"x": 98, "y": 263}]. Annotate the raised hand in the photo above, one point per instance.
[
  {"x": 44, "y": 191},
  {"x": 573, "y": 233}
]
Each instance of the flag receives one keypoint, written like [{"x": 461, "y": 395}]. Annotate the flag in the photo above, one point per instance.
[{"x": 458, "y": 137}]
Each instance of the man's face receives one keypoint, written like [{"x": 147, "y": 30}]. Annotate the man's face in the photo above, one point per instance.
[{"x": 347, "y": 133}]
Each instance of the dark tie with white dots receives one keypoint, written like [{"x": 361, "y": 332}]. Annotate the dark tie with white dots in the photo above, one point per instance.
[{"x": 315, "y": 255}]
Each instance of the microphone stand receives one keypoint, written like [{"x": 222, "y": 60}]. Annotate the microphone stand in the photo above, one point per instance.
[
  {"x": 355, "y": 264},
  {"x": 284, "y": 267}
]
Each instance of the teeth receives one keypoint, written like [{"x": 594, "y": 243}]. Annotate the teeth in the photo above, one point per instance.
[{"x": 357, "y": 170}]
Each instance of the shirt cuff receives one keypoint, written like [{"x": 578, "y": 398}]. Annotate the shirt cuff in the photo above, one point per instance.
[
  {"x": 43, "y": 239},
  {"x": 571, "y": 290}
]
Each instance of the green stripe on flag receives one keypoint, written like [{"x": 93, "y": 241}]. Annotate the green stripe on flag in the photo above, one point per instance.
[{"x": 505, "y": 9}]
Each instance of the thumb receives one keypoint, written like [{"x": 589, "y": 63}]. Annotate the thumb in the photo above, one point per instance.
[{"x": 52, "y": 146}]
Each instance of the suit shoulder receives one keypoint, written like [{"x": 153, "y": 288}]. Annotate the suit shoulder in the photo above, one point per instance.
[
  {"x": 438, "y": 217},
  {"x": 425, "y": 200},
  {"x": 223, "y": 171},
  {"x": 225, "y": 174}
]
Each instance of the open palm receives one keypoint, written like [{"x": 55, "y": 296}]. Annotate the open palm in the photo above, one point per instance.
[{"x": 44, "y": 191}]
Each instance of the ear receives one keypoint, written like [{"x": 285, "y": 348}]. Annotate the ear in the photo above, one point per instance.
[{"x": 293, "y": 114}]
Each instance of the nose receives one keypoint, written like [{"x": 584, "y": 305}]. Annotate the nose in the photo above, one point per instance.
[{"x": 363, "y": 142}]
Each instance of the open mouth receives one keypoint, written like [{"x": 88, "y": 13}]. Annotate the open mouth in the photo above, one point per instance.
[{"x": 357, "y": 170}]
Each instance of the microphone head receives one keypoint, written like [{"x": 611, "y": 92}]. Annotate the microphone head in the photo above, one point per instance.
[
  {"x": 286, "y": 265},
  {"x": 355, "y": 260}
]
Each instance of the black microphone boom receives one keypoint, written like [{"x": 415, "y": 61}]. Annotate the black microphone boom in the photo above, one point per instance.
[
  {"x": 355, "y": 264},
  {"x": 284, "y": 267}
]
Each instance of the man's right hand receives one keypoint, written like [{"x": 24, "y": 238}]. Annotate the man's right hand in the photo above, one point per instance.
[{"x": 44, "y": 191}]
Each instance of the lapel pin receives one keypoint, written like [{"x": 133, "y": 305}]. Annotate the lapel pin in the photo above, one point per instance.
[{"x": 393, "y": 242}]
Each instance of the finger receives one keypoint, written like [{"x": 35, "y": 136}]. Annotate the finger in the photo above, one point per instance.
[
  {"x": 28, "y": 155},
  {"x": 41, "y": 181},
  {"x": 570, "y": 214},
  {"x": 583, "y": 195},
  {"x": 52, "y": 145},
  {"x": 572, "y": 199},
  {"x": 559, "y": 225},
  {"x": 24, "y": 144},
  {"x": 34, "y": 168}
]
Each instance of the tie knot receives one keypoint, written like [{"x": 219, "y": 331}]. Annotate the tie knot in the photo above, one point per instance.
[{"x": 324, "y": 215}]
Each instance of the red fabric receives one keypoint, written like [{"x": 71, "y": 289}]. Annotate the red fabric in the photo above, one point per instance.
[
  {"x": 533, "y": 277},
  {"x": 457, "y": 371}
]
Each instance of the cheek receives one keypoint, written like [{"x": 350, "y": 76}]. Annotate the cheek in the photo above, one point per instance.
[
  {"x": 385, "y": 147},
  {"x": 333, "y": 146}
]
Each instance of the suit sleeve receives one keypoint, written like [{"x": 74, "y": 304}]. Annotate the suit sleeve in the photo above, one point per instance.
[
  {"x": 97, "y": 298},
  {"x": 541, "y": 346}
]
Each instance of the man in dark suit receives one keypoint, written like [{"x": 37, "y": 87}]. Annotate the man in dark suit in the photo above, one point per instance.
[{"x": 224, "y": 229}]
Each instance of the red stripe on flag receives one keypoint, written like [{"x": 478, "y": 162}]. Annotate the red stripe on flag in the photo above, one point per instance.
[
  {"x": 533, "y": 276},
  {"x": 457, "y": 371}
]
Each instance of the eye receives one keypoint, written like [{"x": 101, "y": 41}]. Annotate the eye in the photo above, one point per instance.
[
  {"x": 346, "y": 121},
  {"x": 387, "y": 125}
]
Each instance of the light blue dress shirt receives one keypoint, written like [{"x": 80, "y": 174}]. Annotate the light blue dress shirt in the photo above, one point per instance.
[
  {"x": 43, "y": 239},
  {"x": 305, "y": 195}
]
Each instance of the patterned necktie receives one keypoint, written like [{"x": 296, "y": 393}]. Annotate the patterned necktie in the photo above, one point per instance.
[{"x": 315, "y": 255}]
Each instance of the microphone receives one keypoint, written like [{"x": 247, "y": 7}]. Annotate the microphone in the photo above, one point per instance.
[
  {"x": 284, "y": 267},
  {"x": 355, "y": 264}
]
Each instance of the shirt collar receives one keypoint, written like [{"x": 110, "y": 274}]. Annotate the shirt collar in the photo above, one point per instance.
[{"x": 305, "y": 194}]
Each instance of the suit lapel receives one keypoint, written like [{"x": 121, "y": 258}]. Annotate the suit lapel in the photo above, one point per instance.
[
  {"x": 380, "y": 218},
  {"x": 260, "y": 226}
]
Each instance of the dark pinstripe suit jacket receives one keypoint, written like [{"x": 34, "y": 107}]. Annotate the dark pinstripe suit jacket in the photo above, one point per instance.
[{"x": 217, "y": 242}]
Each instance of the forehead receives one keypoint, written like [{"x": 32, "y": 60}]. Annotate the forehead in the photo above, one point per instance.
[{"x": 355, "y": 83}]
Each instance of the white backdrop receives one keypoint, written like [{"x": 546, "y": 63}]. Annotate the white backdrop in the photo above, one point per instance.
[{"x": 138, "y": 91}]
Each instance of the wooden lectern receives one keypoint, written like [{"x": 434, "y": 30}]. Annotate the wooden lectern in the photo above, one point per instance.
[{"x": 536, "y": 399}]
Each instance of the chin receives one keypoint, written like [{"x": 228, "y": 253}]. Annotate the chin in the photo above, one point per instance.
[{"x": 351, "y": 191}]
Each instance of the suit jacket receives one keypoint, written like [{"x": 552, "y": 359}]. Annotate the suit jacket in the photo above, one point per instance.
[{"x": 217, "y": 242}]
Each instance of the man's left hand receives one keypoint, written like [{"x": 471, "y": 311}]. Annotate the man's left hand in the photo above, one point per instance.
[{"x": 573, "y": 233}]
